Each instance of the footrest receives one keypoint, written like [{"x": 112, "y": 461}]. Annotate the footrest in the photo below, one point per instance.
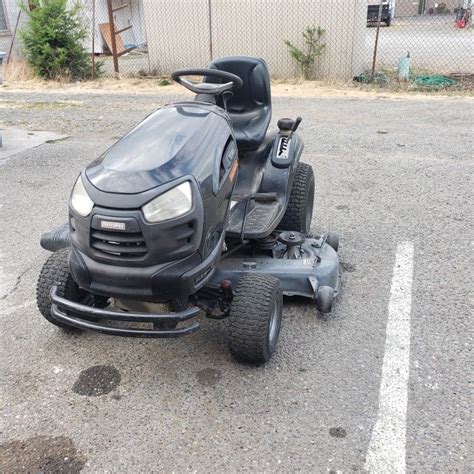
[{"x": 260, "y": 219}]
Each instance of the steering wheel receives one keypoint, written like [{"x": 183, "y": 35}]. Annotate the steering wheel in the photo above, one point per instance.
[{"x": 232, "y": 81}]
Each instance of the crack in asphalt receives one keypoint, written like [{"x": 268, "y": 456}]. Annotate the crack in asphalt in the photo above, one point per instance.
[{"x": 16, "y": 285}]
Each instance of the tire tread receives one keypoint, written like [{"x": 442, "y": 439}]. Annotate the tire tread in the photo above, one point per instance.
[
  {"x": 253, "y": 299},
  {"x": 55, "y": 271},
  {"x": 295, "y": 215}
]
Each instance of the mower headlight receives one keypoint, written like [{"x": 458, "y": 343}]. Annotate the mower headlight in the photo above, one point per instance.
[
  {"x": 80, "y": 200},
  {"x": 173, "y": 203}
]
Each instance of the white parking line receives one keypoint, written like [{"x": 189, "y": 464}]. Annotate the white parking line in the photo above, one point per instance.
[{"x": 386, "y": 453}]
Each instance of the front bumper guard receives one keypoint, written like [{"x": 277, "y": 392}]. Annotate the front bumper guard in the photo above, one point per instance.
[{"x": 79, "y": 316}]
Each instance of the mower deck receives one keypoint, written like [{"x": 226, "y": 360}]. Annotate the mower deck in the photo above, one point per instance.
[{"x": 316, "y": 266}]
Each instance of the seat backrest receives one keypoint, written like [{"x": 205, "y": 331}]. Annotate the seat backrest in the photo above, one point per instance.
[
  {"x": 255, "y": 91},
  {"x": 250, "y": 107}
]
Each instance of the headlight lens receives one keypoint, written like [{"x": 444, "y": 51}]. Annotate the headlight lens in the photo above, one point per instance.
[
  {"x": 80, "y": 200},
  {"x": 173, "y": 203}
]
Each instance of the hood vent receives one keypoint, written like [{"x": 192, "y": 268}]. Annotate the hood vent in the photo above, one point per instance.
[{"x": 119, "y": 244}]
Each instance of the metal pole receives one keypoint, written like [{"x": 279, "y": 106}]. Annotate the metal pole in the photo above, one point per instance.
[
  {"x": 374, "y": 59},
  {"x": 13, "y": 37},
  {"x": 210, "y": 29},
  {"x": 112, "y": 39},
  {"x": 93, "y": 40},
  {"x": 140, "y": 16}
]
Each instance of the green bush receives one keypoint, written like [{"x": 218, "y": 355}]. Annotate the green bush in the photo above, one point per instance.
[
  {"x": 53, "y": 41},
  {"x": 313, "y": 48}
]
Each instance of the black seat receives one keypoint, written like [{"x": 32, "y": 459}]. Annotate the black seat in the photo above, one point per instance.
[{"x": 250, "y": 108}]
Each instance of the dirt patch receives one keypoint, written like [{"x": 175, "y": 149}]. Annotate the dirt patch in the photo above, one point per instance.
[
  {"x": 348, "y": 267},
  {"x": 280, "y": 88},
  {"x": 41, "y": 454},
  {"x": 57, "y": 104},
  {"x": 97, "y": 380},
  {"x": 209, "y": 377},
  {"x": 338, "y": 432}
]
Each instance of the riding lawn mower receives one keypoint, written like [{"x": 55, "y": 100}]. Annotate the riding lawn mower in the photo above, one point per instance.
[{"x": 198, "y": 209}]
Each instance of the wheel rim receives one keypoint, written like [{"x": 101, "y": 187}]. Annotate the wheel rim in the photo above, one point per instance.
[{"x": 274, "y": 326}]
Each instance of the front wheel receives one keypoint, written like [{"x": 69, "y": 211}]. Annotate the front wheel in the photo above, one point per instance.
[
  {"x": 299, "y": 212},
  {"x": 255, "y": 318},
  {"x": 56, "y": 272}
]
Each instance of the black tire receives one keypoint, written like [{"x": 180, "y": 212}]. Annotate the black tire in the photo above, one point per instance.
[
  {"x": 332, "y": 239},
  {"x": 325, "y": 299},
  {"x": 56, "y": 272},
  {"x": 255, "y": 318},
  {"x": 299, "y": 212}
]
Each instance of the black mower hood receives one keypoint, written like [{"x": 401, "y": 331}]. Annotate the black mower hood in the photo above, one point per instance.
[{"x": 173, "y": 142}]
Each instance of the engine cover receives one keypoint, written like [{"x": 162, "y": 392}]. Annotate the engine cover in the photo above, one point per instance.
[{"x": 175, "y": 141}]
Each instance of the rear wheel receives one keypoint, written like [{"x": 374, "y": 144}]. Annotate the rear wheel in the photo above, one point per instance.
[
  {"x": 56, "y": 272},
  {"x": 255, "y": 318},
  {"x": 299, "y": 212}
]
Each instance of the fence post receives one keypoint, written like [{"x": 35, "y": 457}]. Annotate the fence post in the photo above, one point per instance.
[
  {"x": 93, "y": 40},
  {"x": 374, "y": 59},
  {"x": 112, "y": 37},
  {"x": 210, "y": 28},
  {"x": 14, "y": 36}
]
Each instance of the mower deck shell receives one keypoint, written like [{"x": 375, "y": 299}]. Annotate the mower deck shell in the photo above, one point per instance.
[{"x": 318, "y": 266}]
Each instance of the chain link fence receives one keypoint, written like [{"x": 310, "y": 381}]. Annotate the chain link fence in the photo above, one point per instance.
[
  {"x": 154, "y": 37},
  {"x": 437, "y": 37}
]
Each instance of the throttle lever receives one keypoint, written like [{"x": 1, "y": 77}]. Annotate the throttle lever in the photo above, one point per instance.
[
  {"x": 296, "y": 124},
  {"x": 295, "y": 127}
]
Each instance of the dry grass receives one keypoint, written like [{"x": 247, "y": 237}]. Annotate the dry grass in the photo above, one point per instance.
[
  {"x": 20, "y": 78},
  {"x": 17, "y": 71}
]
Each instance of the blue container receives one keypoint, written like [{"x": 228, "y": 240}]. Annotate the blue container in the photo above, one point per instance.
[{"x": 404, "y": 67}]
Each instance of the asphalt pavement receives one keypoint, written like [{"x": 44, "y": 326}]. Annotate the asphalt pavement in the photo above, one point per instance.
[{"x": 393, "y": 177}]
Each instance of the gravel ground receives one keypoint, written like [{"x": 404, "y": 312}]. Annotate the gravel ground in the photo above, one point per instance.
[{"x": 387, "y": 170}]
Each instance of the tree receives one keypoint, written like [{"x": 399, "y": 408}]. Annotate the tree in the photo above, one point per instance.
[
  {"x": 313, "y": 48},
  {"x": 53, "y": 41}
]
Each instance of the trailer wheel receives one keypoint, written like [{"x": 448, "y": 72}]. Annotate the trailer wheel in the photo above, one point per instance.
[
  {"x": 299, "y": 212},
  {"x": 332, "y": 239},
  {"x": 324, "y": 299},
  {"x": 255, "y": 318},
  {"x": 56, "y": 272}
]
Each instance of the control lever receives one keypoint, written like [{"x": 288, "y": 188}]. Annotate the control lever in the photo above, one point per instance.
[
  {"x": 296, "y": 124},
  {"x": 295, "y": 127}
]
